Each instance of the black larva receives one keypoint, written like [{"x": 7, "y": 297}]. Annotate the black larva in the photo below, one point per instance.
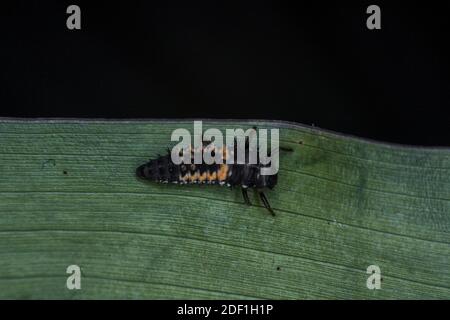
[{"x": 246, "y": 176}]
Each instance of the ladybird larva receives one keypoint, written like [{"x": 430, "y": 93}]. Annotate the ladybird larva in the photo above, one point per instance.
[{"x": 247, "y": 176}]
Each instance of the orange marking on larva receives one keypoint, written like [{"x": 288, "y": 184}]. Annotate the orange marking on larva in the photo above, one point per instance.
[
  {"x": 202, "y": 177},
  {"x": 222, "y": 173},
  {"x": 193, "y": 177},
  {"x": 212, "y": 176}
]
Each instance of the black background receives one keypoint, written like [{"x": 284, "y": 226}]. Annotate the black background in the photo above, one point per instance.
[{"x": 314, "y": 63}]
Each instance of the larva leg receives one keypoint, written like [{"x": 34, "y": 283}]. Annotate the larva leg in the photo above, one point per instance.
[
  {"x": 266, "y": 202},
  {"x": 246, "y": 198}
]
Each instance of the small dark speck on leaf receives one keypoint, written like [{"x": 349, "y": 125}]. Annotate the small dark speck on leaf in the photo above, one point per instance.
[
  {"x": 278, "y": 268},
  {"x": 64, "y": 172},
  {"x": 300, "y": 142}
]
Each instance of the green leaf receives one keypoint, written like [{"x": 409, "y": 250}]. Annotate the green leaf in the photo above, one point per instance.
[{"x": 69, "y": 196}]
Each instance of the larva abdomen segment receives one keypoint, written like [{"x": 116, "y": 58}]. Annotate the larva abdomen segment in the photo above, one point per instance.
[{"x": 163, "y": 170}]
